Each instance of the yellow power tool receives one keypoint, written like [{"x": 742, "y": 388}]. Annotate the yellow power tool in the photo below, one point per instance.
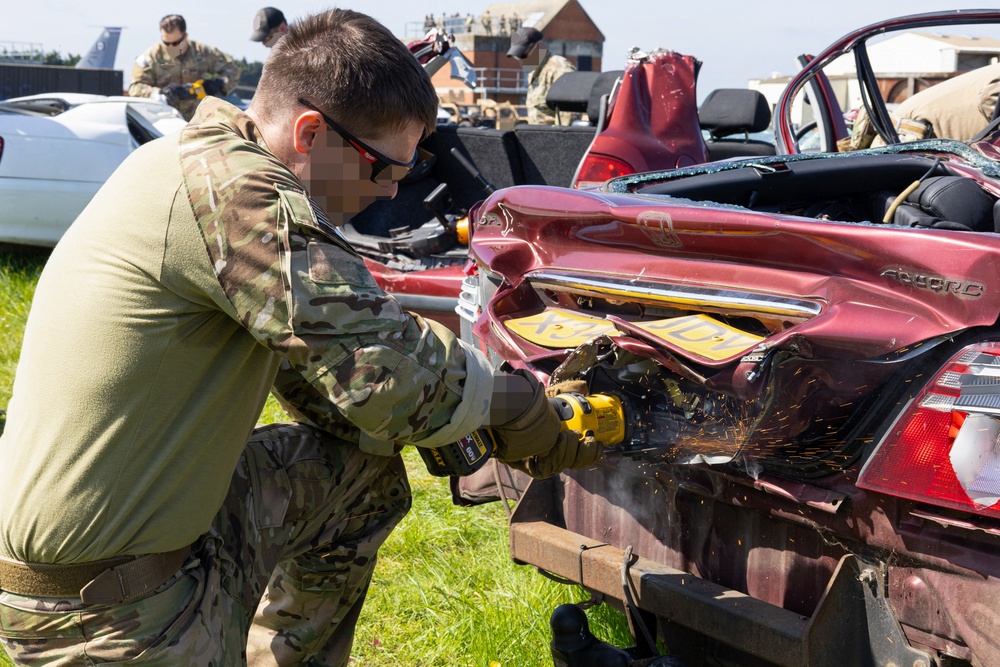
[
  {"x": 198, "y": 89},
  {"x": 599, "y": 415}
]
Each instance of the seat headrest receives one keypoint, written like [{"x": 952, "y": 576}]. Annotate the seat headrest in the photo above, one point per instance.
[
  {"x": 602, "y": 86},
  {"x": 732, "y": 110},
  {"x": 571, "y": 91}
]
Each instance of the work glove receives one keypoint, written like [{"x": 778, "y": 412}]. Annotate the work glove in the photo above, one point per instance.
[
  {"x": 212, "y": 86},
  {"x": 176, "y": 91},
  {"x": 570, "y": 451},
  {"x": 535, "y": 443},
  {"x": 567, "y": 387}
]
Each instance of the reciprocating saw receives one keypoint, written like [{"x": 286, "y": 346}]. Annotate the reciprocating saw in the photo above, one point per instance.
[{"x": 599, "y": 415}]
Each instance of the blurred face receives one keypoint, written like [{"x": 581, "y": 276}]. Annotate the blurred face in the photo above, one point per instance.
[
  {"x": 534, "y": 56},
  {"x": 175, "y": 41},
  {"x": 273, "y": 37},
  {"x": 338, "y": 176}
]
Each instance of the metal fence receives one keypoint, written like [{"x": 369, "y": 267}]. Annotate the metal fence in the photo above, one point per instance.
[
  {"x": 21, "y": 52},
  {"x": 501, "y": 80}
]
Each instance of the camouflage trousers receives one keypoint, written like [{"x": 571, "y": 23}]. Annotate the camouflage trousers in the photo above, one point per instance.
[{"x": 278, "y": 580}]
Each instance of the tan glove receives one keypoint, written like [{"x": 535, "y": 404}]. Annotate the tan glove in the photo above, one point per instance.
[
  {"x": 566, "y": 387},
  {"x": 534, "y": 441},
  {"x": 570, "y": 451}
]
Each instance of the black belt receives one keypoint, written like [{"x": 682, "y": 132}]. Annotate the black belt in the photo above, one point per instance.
[{"x": 109, "y": 581}]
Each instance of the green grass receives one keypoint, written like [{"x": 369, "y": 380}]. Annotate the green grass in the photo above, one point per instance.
[
  {"x": 19, "y": 272},
  {"x": 445, "y": 591}
]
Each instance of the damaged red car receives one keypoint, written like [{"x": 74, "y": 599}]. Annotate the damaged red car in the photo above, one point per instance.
[{"x": 806, "y": 349}]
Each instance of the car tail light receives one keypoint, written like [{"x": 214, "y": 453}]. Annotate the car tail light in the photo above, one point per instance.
[
  {"x": 944, "y": 449},
  {"x": 598, "y": 168}
]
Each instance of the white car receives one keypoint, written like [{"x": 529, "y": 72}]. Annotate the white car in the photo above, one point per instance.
[{"x": 56, "y": 150}]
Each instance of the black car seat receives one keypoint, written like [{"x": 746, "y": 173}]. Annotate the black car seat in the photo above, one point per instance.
[
  {"x": 735, "y": 111},
  {"x": 948, "y": 202}
]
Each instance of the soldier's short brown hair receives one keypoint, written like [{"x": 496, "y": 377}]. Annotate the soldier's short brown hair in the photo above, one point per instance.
[
  {"x": 352, "y": 68},
  {"x": 172, "y": 22}
]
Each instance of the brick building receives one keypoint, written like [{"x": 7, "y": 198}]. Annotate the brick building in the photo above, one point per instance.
[{"x": 568, "y": 31}]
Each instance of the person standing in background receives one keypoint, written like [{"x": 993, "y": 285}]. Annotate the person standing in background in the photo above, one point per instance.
[
  {"x": 269, "y": 25},
  {"x": 527, "y": 46},
  {"x": 170, "y": 66}
]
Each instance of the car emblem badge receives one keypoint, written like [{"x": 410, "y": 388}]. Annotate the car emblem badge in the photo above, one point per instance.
[
  {"x": 935, "y": 283},
  {"x": 659, "y": 228}
]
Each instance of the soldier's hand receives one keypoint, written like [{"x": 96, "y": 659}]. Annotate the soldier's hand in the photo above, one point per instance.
[
  {"x": 566, "y": 387},
  {"x": 212, "y": 86},
  {"x": 177, "y": 91},
  {"x": 533, "y": 431},
  {"x": 571, "y": 450},
  {"x": 534, "y": 441}
]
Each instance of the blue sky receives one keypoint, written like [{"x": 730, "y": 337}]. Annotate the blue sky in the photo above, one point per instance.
[{"x": 735, "y": 40}]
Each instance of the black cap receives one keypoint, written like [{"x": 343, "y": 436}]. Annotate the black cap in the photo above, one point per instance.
[
  {"x": 522, "y": 41},
  {"x": 264, "y": 22}
]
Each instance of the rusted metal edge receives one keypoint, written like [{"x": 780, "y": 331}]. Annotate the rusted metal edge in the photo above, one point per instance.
[
  {"x": 728, "y": 616},
  {"x": 853, "y": 624}
]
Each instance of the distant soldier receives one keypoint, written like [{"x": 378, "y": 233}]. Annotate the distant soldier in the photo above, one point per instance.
[
  {"x": 269, "y": 25},
  {"x": 527, "y": 46},
  {"x": 171, "y": 65},
  {"x": 487, "y": 22},
  {"x": 515, "y": 22},
  {"x": 470, "y": 23},
  {"x": 503, "y": 25},
  {"x": 428, "y": 23},
  {"x": 957, "y": 108}
]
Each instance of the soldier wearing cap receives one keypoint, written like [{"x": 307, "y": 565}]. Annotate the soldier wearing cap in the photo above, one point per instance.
[
  {"x": 170, "y": 66},
  {"x": 527, "y": 46},
  {"x": 268, "y": 26},
  {"x": 143, "y": 516}
]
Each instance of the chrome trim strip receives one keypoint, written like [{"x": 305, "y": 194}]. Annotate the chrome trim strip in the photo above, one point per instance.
[{"x": 661, "y": 293}]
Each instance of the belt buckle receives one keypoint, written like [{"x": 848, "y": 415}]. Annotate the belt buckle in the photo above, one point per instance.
[{"x": 105, "y": 588}]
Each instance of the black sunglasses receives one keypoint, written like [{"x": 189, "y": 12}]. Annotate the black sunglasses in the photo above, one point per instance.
[
  {"x": 178, "y": 42},
  {"x": 391, "y": 171}
]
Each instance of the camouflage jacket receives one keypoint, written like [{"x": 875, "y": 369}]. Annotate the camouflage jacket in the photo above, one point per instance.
[
  {"x": 351, "y": 355},
  {"x": 539, "y": 82},
  {"x": 155, "y": 68}
]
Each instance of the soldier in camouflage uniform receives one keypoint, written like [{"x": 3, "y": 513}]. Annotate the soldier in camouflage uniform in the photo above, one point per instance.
[
  {"x": 169, "y": 66},
  {"x": 527, "y": 46},
  {"x": 143, "y": 517}
]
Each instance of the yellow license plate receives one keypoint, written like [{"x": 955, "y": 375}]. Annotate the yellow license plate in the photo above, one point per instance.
[{"x": 698, "y": 334}]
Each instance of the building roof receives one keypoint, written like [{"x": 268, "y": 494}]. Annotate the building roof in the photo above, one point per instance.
[
  {"x": 533, "y": 13},
  {"x": 965, "y": 42}
]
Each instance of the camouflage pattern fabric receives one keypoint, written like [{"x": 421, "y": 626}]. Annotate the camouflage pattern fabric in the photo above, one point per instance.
[
  {"x": 155, "y": 68},
  {"x": 293, "y": 549},
  {"x": 539, "y": 82},
  {"x": 307, "y": 295}
]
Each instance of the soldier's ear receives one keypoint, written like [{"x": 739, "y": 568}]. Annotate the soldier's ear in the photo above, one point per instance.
[{"x": 305, "y": 129}]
